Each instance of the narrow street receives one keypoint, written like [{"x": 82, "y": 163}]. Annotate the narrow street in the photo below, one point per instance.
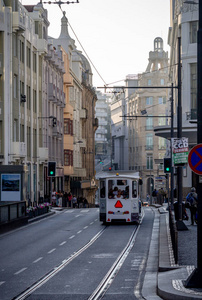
[{"x": 66, "y": 256}]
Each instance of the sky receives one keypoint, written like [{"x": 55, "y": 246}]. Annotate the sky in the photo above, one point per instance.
[{"x": 116, "y": 36}]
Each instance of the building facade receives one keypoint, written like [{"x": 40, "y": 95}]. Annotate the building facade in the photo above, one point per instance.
[{"x": 183, "y": 34}]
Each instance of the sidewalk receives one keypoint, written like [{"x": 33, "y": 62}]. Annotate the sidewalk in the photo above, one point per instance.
[{"x": 164, "y": 279}]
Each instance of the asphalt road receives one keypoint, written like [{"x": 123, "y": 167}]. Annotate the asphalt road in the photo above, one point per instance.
[{"x": 31, "y": 253}]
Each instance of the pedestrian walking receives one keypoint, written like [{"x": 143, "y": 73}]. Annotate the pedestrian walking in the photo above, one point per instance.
[
  {"x": 192, "y": 199},
  {"x": 59, "y": 194},
  {"x": 154, "y": 196},
  {"x": 70, "y": 199},
  {"x": 53, "y": 198},
  {"x": 74, "y": 201}
]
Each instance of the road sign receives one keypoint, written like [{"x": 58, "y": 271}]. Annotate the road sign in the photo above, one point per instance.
[
  {"x": 180, "y": 150},
  {"x": 195, "y": 159}
]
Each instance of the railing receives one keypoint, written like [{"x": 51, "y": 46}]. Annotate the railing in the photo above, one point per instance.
[
  {"x": 10, "y": 211},
  {"x": 174, "y": 235}
]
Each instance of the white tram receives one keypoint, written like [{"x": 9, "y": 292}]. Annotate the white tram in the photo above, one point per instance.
[{"x": 119, "y": 197}]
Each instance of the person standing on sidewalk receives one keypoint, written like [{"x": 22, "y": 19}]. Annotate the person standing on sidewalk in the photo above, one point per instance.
[{"x": 192, "y": 199}]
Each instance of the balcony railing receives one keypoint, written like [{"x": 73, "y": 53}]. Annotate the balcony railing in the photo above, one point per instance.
[{"x": 149, "y": 147}]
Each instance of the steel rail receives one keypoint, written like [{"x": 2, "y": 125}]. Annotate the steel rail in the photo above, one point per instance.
[
  {"x": 57, "y": 269},
  {"x": 102, "y": 288}
]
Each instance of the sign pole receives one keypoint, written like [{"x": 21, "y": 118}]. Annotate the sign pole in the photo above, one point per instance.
[{"x": 194, "y": 280}]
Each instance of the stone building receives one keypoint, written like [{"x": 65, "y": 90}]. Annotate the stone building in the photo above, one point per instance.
[
  {"x": 147, "y": 109},
  {"x": 183, "y": 33},
  {"x": 22, "y": 54},
  {"x": 80, "y": 115}
]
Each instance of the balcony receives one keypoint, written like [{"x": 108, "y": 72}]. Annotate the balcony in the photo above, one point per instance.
[
  {"x": 67, "y": 79},
  {"x": 81, "y": 143},
  {"x": 79, "y": 172},
  {"x": 82, "y": 113},
  {"x": 19, "y": 149},
  {"x": 52, "y": 92},
  {"x": 149, "y": 127},
  {"x": 149, "y": 147},
  {"x": 42, "y": 45},
  {"x": 43, "y": 154},
  {"x": 19, "y": 18}
]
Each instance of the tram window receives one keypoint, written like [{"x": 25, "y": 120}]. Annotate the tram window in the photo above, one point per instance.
[
  {"x": 134, "y": 189},
  {"x": 121, "y": 182},
  {"x": 111, "y": 189},
  {"x": 102, "y": 189}
]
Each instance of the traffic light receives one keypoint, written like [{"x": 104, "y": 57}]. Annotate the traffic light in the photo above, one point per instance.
[
  {"x": 167, "y": 165},
  {"x": 51, "y": 169},
  {"x": 110, "y": 168}
]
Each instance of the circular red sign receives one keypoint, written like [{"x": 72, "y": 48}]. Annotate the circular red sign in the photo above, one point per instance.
[{"x": 195, "y": 159}]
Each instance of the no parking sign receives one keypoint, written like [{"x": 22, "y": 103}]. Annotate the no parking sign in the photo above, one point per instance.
[{"x": 195, "y": 159}]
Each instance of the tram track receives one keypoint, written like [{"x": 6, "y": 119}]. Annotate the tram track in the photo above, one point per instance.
[
  {"x": 102, "y": 288},
  {"x": 57, "y": 269},
  {"x": 104, "y": 284}
]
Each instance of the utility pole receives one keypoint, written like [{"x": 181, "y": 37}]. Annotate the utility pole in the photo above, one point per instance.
[
  {"x": 171, "y": 136},
  {"x": 180, "y": 224},
  {"x": 194, "y": 280}
]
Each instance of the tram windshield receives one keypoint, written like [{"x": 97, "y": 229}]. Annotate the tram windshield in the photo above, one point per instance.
[{"x": 118, "y": 189}]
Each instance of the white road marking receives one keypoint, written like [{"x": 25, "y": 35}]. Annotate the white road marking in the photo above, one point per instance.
[
  {"x": 51, "y": 251},
  {"x": 85, "y": 227},
  {"x": 69, "y": 211},
  {"x": 2, "y": 282},
  {"x": 91, "y": 223},
  {"x": 79, "y": 231},
  {"x": 20, "y": 271},
  {"x": 77, "y": 216},
  {"x": 71, "y": 237},
  {"x": 63, "y": 243},
  {"x": 95, "y": 220},
  {"x": 38, "y": 259},
  {"x": 85, "y": 211}
]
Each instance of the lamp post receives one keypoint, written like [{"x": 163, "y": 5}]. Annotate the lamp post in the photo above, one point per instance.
[{"x": 194, "y": 280}]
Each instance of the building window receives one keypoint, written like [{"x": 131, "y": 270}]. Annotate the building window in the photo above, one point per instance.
[
  {"x": 14, "y": 45},
  {"x": 68, "y": 157},
  {"x": 149, "y": 100},
  {"x": 149, "y": 123},
  {"x": 149, "y": 141},
  {"x": 193, "y": 31},
  {"x": 162, "y": 100},
  {"x": 149, "y": 162},
  {"x": 161, "y": 120},
  {"x": 149, "y": 82},
  {"x": 68, "y": 126},
  {"x": 162, "y": 143},
  {"x": 15, "y": 86},
  {"x": 34, "y": 62},
  {"x": 162, "y": 81},
  {"x": 193, "y": 70},
  {"x": 34, "y": 101}
]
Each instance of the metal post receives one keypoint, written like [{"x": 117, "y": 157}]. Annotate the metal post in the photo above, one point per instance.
[
  {"x": 180, "y": 224},
  {"x": 172, "y": 168},
  {"x": 194, "y": 280}
]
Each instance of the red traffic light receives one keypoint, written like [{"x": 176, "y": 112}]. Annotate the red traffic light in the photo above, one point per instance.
[{"x": 110, "y": 168}]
